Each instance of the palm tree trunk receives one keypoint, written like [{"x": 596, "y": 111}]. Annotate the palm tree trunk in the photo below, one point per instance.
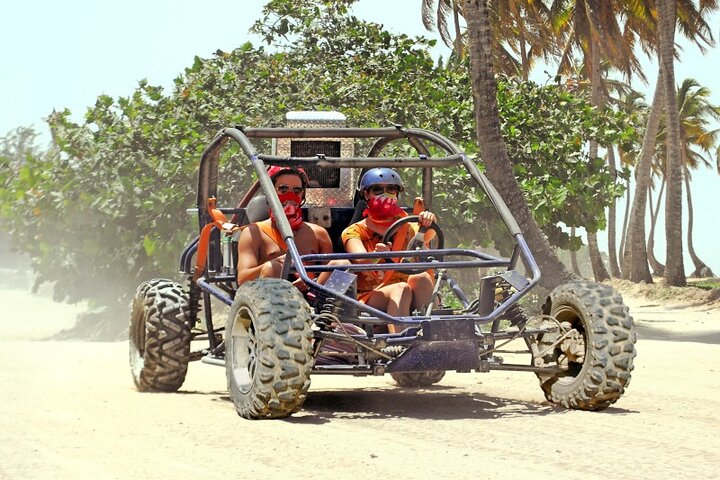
[
  {"x": 701, "y": 270},
  {"x": 599, "y": 270},
  {"x": 634, "y": 260},
  {"x": 492, "y": 146},
  {"x": 457, "y": 42},
  {"x": 626, "y": 218},
  {"x": 573, "y": 257},
  {"x": 612, "y": 233},
  {"x": 596, "y": 99},
  {"x": 674, "y": 263},
  {"x": 657, "y": 267},
  {"x": 524, "y": 63}
]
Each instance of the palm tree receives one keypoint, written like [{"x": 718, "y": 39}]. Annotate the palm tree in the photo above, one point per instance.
[
  {"x": 631, "y": 102},
  {"x": 698, "y": 144},
  {"x": 492, "y": 146},
  {"x": 657, "y": 267},
  {"x": 626, "y": 217},
  {"x": 612, "y": 234},
  {"x": 435, "y": 15},
  {"x": 674, "y": 263},
  {"x": 691, "y": 24},
  {"x": 521, "y": 31},
  {"x": 573, "y": 256},
  {"x": 650, "y": 170},
  {"x": 635, "y": 258},
  {"x": 701, "y": 269},
  {"x": 593, "y": 28}
]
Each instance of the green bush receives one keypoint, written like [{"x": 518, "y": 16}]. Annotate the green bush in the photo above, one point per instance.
[{"x": 104, "y": 208}]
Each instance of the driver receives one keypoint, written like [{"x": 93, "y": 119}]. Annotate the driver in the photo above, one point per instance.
[{"x": 399, "y": 293}]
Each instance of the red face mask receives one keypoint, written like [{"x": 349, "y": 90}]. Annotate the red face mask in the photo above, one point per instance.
[
  {"x": 383, "y": 208},
  {"x": 291, "y": 203}
]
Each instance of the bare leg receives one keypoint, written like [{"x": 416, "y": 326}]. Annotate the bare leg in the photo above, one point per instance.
[
  {"x": 322, "y": 278},
  {"x": 422, "y": 287},
  {"x": 394, "y": 299}
]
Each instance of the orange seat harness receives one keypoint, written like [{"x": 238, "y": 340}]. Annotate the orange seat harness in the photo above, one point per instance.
[{"x": 218, "y": 221}]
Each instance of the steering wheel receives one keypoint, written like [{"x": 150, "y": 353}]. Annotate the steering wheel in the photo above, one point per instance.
[{"x": 417, "y": 242}]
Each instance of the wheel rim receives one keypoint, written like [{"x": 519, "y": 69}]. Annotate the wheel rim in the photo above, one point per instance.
[
  {"x": 568, "y": 315},
  {"x": 244, "y": 346}
]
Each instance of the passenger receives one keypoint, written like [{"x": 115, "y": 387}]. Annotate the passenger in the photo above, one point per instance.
[
  {"x": 261, "y": 248},
  {"x": 399, "y": 294}
]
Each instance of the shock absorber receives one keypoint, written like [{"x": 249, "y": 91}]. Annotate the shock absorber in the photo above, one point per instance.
[
  {"x": 517, "y": 316},
  {"x": 514, "y": 314},
  {"x": 194, "y": 305}
]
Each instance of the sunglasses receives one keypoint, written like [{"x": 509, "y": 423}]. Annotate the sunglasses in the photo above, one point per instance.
[
  {"x": 380, "y": 189},
  {"x": 282, "y": 189}
]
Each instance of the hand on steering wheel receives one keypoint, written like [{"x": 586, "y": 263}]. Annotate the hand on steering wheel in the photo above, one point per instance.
[{"x": 417, "y": 242}]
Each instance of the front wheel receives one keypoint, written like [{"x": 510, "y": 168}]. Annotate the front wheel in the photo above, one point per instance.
[
  {"x": 268, "y": 349},
  {"x": 594, "y": 342}
]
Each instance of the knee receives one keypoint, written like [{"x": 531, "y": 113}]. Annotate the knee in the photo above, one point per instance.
[
  {"x": 339, "y": 263},
  {"x": 421, "y": 280},
  {"x": 401, "y": 290}
]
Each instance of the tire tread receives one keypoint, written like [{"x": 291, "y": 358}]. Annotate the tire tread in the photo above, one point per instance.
[
  {"x": 160, "y": 308},
  {"x": 611, "y": 339},
  {"x": 284, "y": 357}
]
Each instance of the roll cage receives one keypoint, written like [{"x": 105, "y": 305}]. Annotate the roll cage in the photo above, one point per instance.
[{"x": 218, "y": 279}]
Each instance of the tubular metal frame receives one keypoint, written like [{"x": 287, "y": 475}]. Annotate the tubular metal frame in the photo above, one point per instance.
[{"x": 208, "y": 183}]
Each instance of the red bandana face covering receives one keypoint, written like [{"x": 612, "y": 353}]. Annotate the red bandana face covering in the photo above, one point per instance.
[
  {"x": 383, "y": 208},
  {"x": 291, "y": 203}
]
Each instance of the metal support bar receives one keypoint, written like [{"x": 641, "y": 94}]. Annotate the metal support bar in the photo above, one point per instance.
[
  {"x": 213, "y": 361},
  {"x": 362, "y": 162},
  {"x": 526, "y": 368},
  {"x": 215, "y": 292}
]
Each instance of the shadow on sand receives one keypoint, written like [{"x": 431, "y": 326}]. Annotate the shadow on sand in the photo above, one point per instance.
[
  {"x": 432, "y": 403},
  {"x": 648, "y": 332}
]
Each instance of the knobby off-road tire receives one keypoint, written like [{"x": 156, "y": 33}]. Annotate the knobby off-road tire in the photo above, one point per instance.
[
  {"x": 268, "y": 349},
  {"x": 417, "y": 379},
  {"x": 159, "y": 336},
  {"x": 598, "y": 378}
]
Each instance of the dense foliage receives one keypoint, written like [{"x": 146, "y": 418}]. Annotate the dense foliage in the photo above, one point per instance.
[
  {"x": 545, "y": 129},
  {"x": 104, "y": 208}
]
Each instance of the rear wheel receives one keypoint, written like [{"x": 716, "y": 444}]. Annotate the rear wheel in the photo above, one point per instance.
[
  {"x": 417, "y": 379},
  {"x": 268, "y": 349},
  {"x": 159, "y": 336},
  {"x": 595, "y": 341}
]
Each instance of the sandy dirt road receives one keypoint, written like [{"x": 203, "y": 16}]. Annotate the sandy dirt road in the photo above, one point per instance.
[{"x": 69, "y": 410}]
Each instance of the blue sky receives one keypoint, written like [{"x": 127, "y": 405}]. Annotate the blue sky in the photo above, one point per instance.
[{"x": 58, "y": 55}]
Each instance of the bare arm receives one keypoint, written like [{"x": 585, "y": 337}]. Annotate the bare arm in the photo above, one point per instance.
[
  {"x": 355, "y": 245},
  {"x": 324, "y": 243},
  {"x": 426, "y": 219}
]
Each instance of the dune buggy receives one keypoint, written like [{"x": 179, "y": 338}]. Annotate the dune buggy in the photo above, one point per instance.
[{"x": 581, "y": 347}]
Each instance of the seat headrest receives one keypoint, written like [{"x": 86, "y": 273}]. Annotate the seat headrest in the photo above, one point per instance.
[{"x": 257, "y": 209}]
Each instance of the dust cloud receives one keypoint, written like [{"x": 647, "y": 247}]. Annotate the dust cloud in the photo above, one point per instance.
[{"x": 27, "y": 315}]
